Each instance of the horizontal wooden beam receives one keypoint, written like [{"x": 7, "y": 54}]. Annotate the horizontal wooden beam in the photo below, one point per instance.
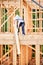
[{"x": 31, "y": 39}]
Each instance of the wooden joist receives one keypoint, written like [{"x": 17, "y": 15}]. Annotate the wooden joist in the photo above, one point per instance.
[{"x": 30, "y": 39}]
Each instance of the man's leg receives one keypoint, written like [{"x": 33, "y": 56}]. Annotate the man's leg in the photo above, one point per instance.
[
  {"x": 19, "y": 27},
  {"x": 23, "y": 31},
  {"x": 18, "y": 30}
]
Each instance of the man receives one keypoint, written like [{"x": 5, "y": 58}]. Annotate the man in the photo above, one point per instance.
[{"x": 20, "y": 23}]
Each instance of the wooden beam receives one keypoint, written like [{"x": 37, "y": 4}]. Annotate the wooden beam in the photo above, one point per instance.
[
  {"x": 40, "y": 20},
  {"x": 25, "y": 19},
  {"x": 26, "y": 55},
  {"x": 23, "y": 55},
  {"x": 0, "y": 19},
  {"x": 24, "y": 3},
  {"x": 21, "y": 7},
  {"x": 21, "y": 11},
  {"x": 14, "y": 55},
  {"x": 37, "y": 54}
]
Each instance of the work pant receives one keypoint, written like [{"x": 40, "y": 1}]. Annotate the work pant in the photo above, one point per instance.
[{"x": 22, "y": 24}]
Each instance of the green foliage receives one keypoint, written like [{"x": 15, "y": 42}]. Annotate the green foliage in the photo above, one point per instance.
[
  {"x": 5, "y": 49},
  {"x": 42, "y": 15},
  {"x": 33, "y": 30},
  {"x": 33, "y": 15},
  {"x": 33, "y": 10},
  {"x": 33, "y": 54},
  {"x": 37, "y": 15},
  {"x": 42, "y": 55},
  {"x": 42, "y": 23},
  {"x": 33, "y": 46},
  {"x": 42, "y": 48},
  {"x": 37, "y": 23},
  {"x": 4, "y": 28},
  {"x": 17, "y": 12}
]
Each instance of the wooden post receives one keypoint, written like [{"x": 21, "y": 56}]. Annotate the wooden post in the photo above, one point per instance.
[
  {"x": 14, "y": 55},
  {"x": 25, "y": 19},
  {"x": 21, "y": 13},
  {"x": 37, "y": 54},
  {"x": 8, "y": 22},
  {"x": 11, "y": 19},
  {"x": 40, "y": 21},
  {"x": 23, "y": 55},
  {"x": 21, "y": 7},
  {"x": 17, "y": 38},
  {"x": 0, "y": 18},
  {"x": 1, "y": 52},
  {"x": 26, "y": 55}
]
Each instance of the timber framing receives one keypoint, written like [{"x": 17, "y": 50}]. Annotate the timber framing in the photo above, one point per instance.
[{"x": 33, "y": 16}]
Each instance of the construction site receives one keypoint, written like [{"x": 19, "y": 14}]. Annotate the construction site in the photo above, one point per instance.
[{"x": 21, "y": 49}]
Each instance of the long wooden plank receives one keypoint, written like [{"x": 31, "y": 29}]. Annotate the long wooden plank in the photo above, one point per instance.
[{"x": 37, "y": 55}]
